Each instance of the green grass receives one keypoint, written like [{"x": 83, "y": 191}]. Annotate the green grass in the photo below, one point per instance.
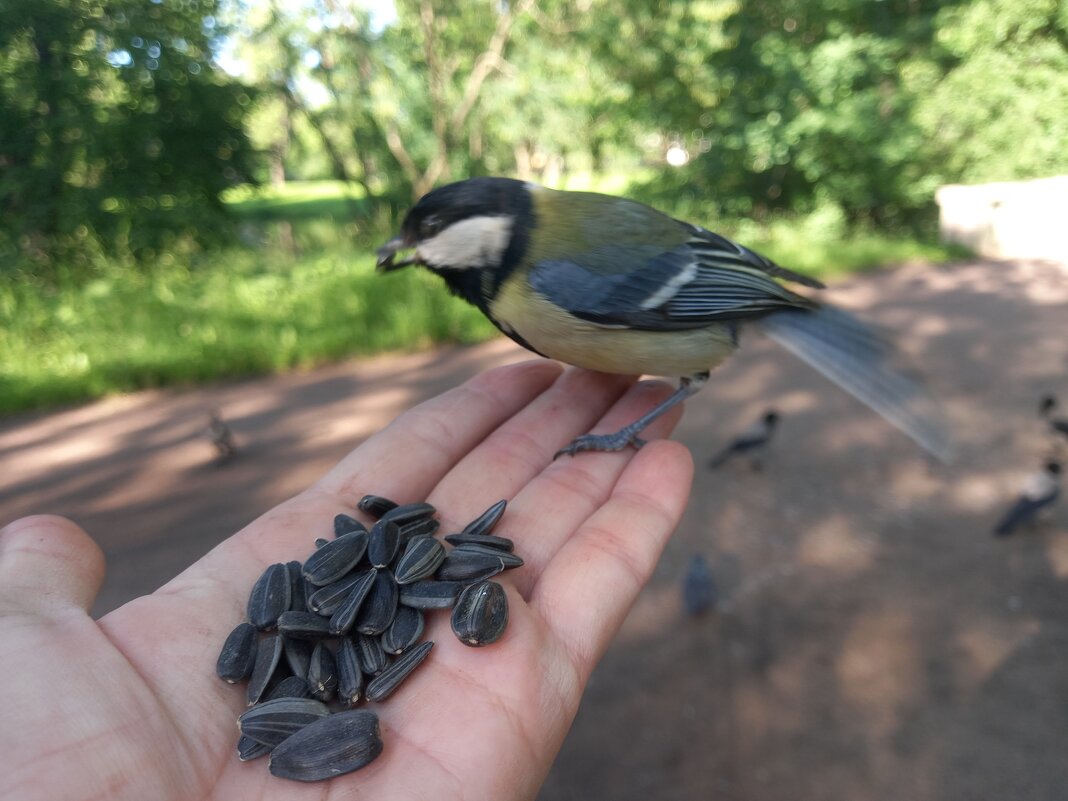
[{"x": 310, "y": 297}]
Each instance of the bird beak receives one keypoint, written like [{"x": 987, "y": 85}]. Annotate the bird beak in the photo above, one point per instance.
[{"x": 388, "y": 252}]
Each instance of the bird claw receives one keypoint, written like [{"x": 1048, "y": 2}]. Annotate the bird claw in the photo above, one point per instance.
[{"x": 601, "y": 442}]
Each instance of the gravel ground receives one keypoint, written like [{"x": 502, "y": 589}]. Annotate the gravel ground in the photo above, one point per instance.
[{"x": 872, "y": 640}]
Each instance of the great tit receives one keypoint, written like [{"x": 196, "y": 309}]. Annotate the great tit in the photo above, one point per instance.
[
  {"x": 753, "y": 439},
  {"x": 1040, "y": 491},
  {"x": 613, "y": 285}
]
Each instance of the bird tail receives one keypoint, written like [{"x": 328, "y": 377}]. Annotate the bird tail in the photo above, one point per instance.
[{"x": 864, "y": 364}]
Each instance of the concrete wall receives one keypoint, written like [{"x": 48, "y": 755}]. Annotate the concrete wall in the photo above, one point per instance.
[{"x": 1019, "y": 219}]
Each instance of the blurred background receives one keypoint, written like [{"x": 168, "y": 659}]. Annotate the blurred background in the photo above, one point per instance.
[{"x": 190, "y": 195}]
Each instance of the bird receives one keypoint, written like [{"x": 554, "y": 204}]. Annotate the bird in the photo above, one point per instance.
[
  {"x": 1057, "y": 425},
  {"x": 613, "y": 285},
  {"x": 699, "y": 591},
  {"x": 752, "y": 440},
  {"x": 222, "y": 437},
  {"x": 1040, "y": 491}
]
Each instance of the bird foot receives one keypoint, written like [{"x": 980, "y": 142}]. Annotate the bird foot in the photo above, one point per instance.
[{"x": 601, "y": 442}]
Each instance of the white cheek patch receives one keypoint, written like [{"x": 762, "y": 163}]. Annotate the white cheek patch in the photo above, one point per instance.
[{"x": 475, "y": 242}]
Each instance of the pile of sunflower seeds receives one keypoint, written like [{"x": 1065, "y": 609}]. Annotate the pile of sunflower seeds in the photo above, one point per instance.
[{"x": 346, "y": 625}]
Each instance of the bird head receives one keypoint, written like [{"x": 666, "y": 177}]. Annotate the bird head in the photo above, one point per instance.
[{"x": 468, "y": 225}]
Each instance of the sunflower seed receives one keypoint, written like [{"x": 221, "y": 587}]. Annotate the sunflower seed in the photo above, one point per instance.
[
  {"x": 488, "y": 540},
  {"x": 273, "y": 721},
  {"x": 325, "y": 600},
  {"x": 407, "y": 512},
  {"x": 269, "y": 597},
  {"x": 380, "y": 605},
  {"x": 485, "y": 522},
  {"x": 295, "y": 686},
  {"x": 248, "y": 749},
  {"x": 418, "y": 528},
  {"x": 344, "y": 617},
  {"x": 421, "y": 557},
  {"x": 369, "y": 653},
  {"x": 322, "y": 673},
  {"x": 468, "y": 566},
  {"x": 329, "y": 747},
  {"x": 335, "y": 559},
  {"x": 405, "y": 630},
  {"x": 344, "y": 524},
  {"x": 304, "y": 625},
  {"x": 298, "y": 588},
  {"x": 480, "y": 614},
  {"x": 238, "y": 655},
  {"x": 320, "y": 542},
  {"x": 430, "y": 594},
  {"x": 388, "y": 681},
  {"x": 268, "y": 652},
  {"x": 297, "y": 652},
  {"x": 375, "y": 505},
  {"x": 349, "y": 672},
  {"x": 510, "y": 559},
  {"x": 383, "y": 543}
]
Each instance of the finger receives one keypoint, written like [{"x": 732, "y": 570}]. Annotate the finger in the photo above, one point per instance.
[
  {"x": 557, "y": 501},
  {"x": 48, "y": 564},
  {"x": 406, "y": 460},
  {"x": 588, "y": 587},
  {"x": 524, "y": 445}
]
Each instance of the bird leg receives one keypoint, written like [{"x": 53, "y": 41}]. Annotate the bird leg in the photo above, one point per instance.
[{"x": 628, "y": 435}]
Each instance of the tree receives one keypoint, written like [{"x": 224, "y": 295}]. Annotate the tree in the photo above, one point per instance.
[{"x": 116, "y": 130}]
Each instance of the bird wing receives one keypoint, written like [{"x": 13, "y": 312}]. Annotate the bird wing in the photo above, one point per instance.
[{"x": 703, "y": 280}]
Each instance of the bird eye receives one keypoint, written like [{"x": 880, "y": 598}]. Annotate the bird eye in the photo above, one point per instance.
[{"x": 429, "y": 226}]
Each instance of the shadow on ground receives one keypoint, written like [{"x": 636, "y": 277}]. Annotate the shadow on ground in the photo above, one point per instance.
[{"x": 873, "y": 640}]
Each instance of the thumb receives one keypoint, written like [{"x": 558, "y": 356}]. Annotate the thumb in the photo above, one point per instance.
[{"x": 48, "y": 564}]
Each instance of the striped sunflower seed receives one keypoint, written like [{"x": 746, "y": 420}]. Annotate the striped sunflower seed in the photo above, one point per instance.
[
  {"x": 297, "y": 653},
  {"x": 238, "y": 655},
  {"x": 269, "y": 597},
  {"x": 322, "y": 673},
  {"x": 422, "y": 556},
  {"x": 467, "y": 566},
  {"x": 485, "y": 522},
  {"x": 290, "y": 687},
  {"x": 345, "y": 524},
  {"x": 418, "y": 528},
  {"x": 329, "y": 747},
  {"x": 369, "y": 654},
  {"x": 325, "y": 600},
  {"x": 335, "y": 559},
  {"x": 271, "y": 722},
  {"x": 481, "y": 614},
  {"x": 298, "y": 588},
  {"x": 268, "y": 653},
  {"x": 248, "y": 749},
  {"x": 380, "y": 605},
  {"x": 383, "y": 543},
  {"x": 430, "y": 594},
  {"x": 404, "y": 632},
  {"x": 344, "y": 618},
  {"x": 488, "y": 540},
  {"x": 510, "y": 559},
  {"x": 376, "y": 505},
  {"x": 349, "y": 672},
  {"x": 390, "y": 679},
  {"x": 304, "y": 625},
  {"x": 408, "y": 512}
]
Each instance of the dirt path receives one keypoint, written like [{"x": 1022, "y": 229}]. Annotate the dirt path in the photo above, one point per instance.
[{"x": 873, "y": 642}]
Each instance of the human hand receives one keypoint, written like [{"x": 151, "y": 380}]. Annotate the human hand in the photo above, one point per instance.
[{"x": 129, "y": 707}]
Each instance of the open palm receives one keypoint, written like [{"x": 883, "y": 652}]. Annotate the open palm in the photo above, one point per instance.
[{"x": 128, "y": 707}]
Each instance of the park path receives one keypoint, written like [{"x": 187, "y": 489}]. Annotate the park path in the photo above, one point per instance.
[{"x": 873, "y": 641}]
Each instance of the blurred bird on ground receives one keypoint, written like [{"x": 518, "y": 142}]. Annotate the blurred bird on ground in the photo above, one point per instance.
[
  {"x": 752, "y": 442},
  {"x": 1057, "y": 425},
  {"x": 699, "y": 591},
  {"x": 222, "y": 437},
  {"x": 1040, "y": 491}
]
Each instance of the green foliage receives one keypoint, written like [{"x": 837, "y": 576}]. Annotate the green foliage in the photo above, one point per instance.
[{"x": 116, "y": 132}]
